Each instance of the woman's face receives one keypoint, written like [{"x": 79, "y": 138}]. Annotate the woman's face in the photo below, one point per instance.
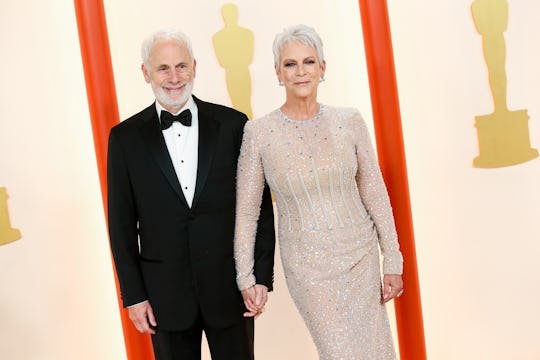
[{"x": 300, "y": 70}]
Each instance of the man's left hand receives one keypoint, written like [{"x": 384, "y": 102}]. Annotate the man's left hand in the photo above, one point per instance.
[{"x": 255, "y": 299}]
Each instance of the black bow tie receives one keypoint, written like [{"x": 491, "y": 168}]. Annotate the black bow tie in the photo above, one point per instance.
[{"x": 167, "y": 118}]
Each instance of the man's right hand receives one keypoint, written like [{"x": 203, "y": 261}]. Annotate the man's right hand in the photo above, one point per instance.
[{"x": 143, "y": 317}]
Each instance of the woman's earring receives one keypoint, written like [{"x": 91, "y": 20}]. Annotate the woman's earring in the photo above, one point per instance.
[
  {"x": 322, "y": 79},
  {"x": 280, "y": 83}
]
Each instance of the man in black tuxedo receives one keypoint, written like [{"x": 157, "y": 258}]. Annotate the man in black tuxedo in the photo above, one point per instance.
[{"x": 172, "y": 196}]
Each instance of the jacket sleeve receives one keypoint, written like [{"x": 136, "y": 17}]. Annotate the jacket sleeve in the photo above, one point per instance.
[
  {"x": 265, "y": 242},
  {"x": 122, "y": 223}
]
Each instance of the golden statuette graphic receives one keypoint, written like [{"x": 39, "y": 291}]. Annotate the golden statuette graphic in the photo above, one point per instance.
[
  {"x": 234, "y": 47},
  {"x": 503, "y": 136},
  {"x": 7, "y": 233}
]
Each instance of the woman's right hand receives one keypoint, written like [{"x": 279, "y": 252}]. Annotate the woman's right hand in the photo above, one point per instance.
[{"x": 255, "y": 299}]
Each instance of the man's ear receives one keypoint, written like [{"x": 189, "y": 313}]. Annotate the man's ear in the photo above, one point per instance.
[{"x": 145, "y": 73}]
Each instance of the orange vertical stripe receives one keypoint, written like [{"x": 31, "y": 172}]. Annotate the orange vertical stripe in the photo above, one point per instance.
[
  {"x": 390, "y": 148},
  {"x": 103, "y": 107}
]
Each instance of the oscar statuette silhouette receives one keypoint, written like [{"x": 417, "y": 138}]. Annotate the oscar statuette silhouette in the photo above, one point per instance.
[
  {"x": 7, "y": 233},
  {"x": 503, "y": 136},
  {"x": 234, "y": 47}
]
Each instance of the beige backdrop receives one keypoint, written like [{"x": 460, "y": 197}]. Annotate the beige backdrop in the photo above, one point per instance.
[{"x": 476, "y": 229}]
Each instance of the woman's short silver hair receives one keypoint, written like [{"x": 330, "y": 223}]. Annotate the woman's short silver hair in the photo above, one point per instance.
[
  {"x": 160, "y": 35},
  {"x": 301, "y": 33}
]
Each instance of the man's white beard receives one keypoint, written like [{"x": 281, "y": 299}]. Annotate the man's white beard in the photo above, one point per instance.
[{"x": 164, "y": 98}]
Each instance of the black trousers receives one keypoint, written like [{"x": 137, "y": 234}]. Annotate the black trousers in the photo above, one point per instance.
[{"x": 231, "y": 343}]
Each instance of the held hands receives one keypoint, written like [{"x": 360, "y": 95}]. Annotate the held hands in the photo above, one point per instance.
[
  {"x": 142, "y": 317},
  {"x": 255, "y": 299},
  {"x": 392, "y": 287}
]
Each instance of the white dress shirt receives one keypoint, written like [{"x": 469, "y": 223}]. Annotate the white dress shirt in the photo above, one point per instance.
[{"x": 182, "y": 143}]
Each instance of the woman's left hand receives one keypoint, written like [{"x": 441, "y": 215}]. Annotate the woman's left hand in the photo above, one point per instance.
[{"x": 392, "y": 287}]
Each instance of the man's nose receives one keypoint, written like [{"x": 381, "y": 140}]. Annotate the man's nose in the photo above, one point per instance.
[{"x": 175, "y": 76}]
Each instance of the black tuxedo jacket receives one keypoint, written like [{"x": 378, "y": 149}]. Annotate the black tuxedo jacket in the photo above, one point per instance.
[{"x": 181, "y": 258}]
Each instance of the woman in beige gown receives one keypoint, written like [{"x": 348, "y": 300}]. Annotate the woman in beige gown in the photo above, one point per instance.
[{"x": 332, "y": 205}]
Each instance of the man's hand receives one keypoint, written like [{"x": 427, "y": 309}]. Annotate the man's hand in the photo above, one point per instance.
[
  {"x": 255, "y": 299},
  {"x": 143, "y": 317}
]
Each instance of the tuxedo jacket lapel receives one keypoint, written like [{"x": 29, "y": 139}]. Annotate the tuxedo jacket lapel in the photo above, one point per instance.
[
  {"x": 153, "y": 137},
  {"x": 208, "y": 134}
]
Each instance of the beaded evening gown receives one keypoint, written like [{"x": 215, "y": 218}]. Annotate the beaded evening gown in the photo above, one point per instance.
[{"x": 333, "y": 214}]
